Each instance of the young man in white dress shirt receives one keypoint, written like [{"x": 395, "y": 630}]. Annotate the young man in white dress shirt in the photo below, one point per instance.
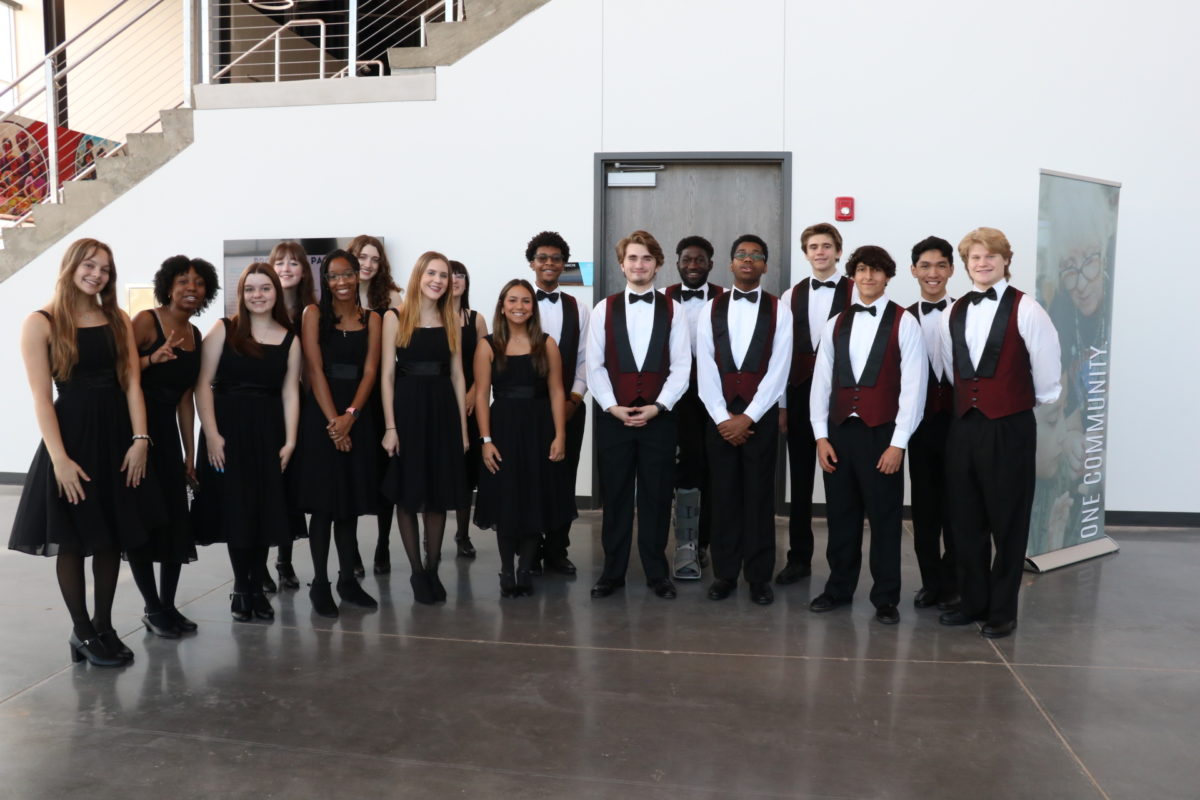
[
  {"x": 932, "y": 266},
  {"x": 639, "y": 356},
  {"x": 868, "y": 393},
  {"x": 1002, "y": 353},
  {"x": 743, "y": 353},
  {"x": 565, "y": 320}
]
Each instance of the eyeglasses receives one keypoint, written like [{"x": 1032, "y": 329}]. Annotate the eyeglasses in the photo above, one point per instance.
[
  {"x": 742, "y": 255},
  {"x": 542, "y": 258},
  {"x": 334, "y": 277},
  {"x": 458, "y": 276},
  {"x": 1069, "y": 270}
]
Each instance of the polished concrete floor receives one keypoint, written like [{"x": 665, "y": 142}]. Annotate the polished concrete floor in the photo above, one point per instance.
[{"x": 560, "y": 696}]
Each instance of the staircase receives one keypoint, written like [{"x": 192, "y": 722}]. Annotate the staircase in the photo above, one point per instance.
[{"x": 446, "y": 43}]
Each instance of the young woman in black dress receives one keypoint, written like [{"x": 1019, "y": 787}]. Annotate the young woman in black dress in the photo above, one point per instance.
[
  {"x": 295, "y": 276},
  {"x": 335, "y": 471},
  {"x": 80, "y": 497},
  {"x": 378, "y": 292},
  {"x": 169, "y": 355},
  {"x": 473, "y": 329},
  {"x": 523, "y": 489},
  {"x": 248, "y": 398},
  {"x": 424, "y": 418}
]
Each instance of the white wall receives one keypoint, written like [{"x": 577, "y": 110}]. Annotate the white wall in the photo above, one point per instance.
[{"x": 935, "y": 116}]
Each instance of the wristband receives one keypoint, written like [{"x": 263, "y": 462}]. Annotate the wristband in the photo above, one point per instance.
[
  {"x": 352, "y": 411},
  {"x": 485, "y": 440}
]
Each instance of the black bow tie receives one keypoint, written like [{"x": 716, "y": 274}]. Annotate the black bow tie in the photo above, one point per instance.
[
  {"x": 691, "y": 294},
  {"x": 816, "y": 284},
  {"x": 551, "y": 296},
  {"x": 648, "y": 297},
  {"x": 926, "y": 307},
  {"x": 977, "y": 297},
  {"x": 869, "y": 309},
  {"x": 751, "y": 296}
]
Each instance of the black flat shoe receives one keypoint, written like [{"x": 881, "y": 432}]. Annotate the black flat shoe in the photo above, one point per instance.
[
  {"x": 116, "y": 646},
  {"x": 268, "y": 584},
  {"x": 792, "y": 572},
  {"x": 262, "y": 606},
  {"x": 823, "y": 602},
  {"x": 888, "y": 615},
  {"x": 956, "y": 617},
  {"x": 949, "y": 603},
  {"x": 321, "y": 597},
  {"x": 94, "y": 651},
  {"x": 562, "y": 566},
  {"x": 352, "y": 592},
  {"x": 762, "y": 594},
  {"x": 926, "y": 598},
  {"x": 604, "y": 587},
  {"x": 721, "y": 589},
  {"x": 161, "y": 625},
  {"x": 663, "y": 588},
  {"x": 465, "y": 548},
  {"x": 239, "y": 606},
  {"x": 998, "y": 630},
  {"x": 508, "y": 585},
  {"x": 524, "y": 583},
  {"x": 287, "y": 575},
  {"x": 184, "y": 624},
  {"x": 422, "y": 590}
]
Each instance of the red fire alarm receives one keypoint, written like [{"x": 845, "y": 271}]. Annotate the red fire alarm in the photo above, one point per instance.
[{"x": 843, "y": 209}]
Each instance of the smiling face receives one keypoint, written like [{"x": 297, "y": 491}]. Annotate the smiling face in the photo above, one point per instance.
[
  {"x": 258, "y": 293},
  {"x": 694, "y": 266},
  {"x": 748, "y": 265},
  {"x": 932, "y": 270},
  {"x": 547, "y": 266},
  {"x": 639, "y": 266},
  {"x": 368, "y": 263},
  {"x": 518, "y": 306},
  {"x": 1081, "y": 274},
  {"x": 435, "y": 280},
  {"x": 289, "y": 271},
  {"x": 870, "y": 282},
  {"x": 823, "y": 254},
  {"x": 985, "y": 268},
  {"x": 188, "y": 291},
  {"x": 93, "y": 273},
  {"x": 342, "y": 279},
  {"x": 458, "y": 284}
]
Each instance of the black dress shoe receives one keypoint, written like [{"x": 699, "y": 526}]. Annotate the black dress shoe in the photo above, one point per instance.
[
  {"x": 161, "y": 625},
  {"x": 269, "y": 584},
  {"x": 762, "y": 594},
  {"x": 262, "y": 606},
  {"x": 464, "y": 547},
  {"x": 184, "y": 624},
  {"x": 956, "y": 617},
  {"x": 721, "y": 589},
  {"x": 998, "y": 630},
  {"x": 422, "y": 589},
  {"x": 94, "y": 651},
  {"x": 239, "y": 606},
  {"x": 824, "y": 602},
  {"x": 562, "y": 566},
  {"x": 926, "y": 598},
  {"x": 508, "y": 585},
  {"x": 663, "y": 588},
  {"x": 287, "y": 575},
  {"x": 321, "y": 597},
  {"x": 605, "y": 587},
  {"x": 352, "y": 592},
  {"x": 949, "y": 603},
  {"x": 792, "y": 572},
  {"x": 888, "y": 615},
  {"x": 116, "y": 646},
  {"x": 524, "y": 583}
]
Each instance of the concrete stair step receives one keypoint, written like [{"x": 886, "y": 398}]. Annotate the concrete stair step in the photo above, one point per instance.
[{"x": 447, "y": 42}]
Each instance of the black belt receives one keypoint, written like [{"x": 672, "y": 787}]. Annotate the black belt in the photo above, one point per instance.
[
  {"x": 519, "y": 392},
  {"x": 423, "y": 368},
  {"x": 343, "y": 372},
  {"x": 245, "y": 390}
]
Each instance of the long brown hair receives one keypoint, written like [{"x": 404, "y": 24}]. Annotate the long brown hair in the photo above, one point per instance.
[
  {"x": 537, "y": 340},
  {"x": 410, "y": 312},
  {"x": 379, "y": 290},
  {"x": 306, "y": 293},
  {"x": 64, "y": 352},
  {"x": 240, "y": 338}
]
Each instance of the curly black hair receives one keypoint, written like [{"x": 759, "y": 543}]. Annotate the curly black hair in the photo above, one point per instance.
[
  {"x": 547, "y": 239},
  {"x": 695, "y": 241},
  {"x": 872, "y": 256},
  {"x": 175, "y": 266},
  {"x": 748, "y": 237}
]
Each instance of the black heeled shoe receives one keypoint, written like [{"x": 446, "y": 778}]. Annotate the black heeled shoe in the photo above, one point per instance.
[
  {"x": 321, "y": 597},
  {"x": 508, "y": 585},
  {"x": 352, "y": 592},
  {"x": 465, "y": 548},
  {"x": 94, "y": 651},
  {"x": 239, "y": 606},
  {"x": 422, "y": 590},
  {"x": 268, "y": 584},
  {"x": 435, "y": 584},
  {"x": 184, "y": 624},
  {"x": 116, "y": 646},
  {"x": 287, "y": 575},
  {"x": 262, "y": 606},
  {"x": 524, "y": 583},
  {"x": 161, "y": 625}
]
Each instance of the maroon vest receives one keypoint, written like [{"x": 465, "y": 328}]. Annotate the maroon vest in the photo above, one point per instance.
[
  {"x": 632, "y": 386},
  {"x": 1002, "y": 384},
  {"x": 739, "y": 383},
  {"x": 804, "y": 349},
  {"x": 875, "y": 395},
  {"x": 939, "y": 394}
]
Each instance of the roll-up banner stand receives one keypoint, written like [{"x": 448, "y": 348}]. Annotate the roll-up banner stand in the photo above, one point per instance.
[{"x": 1076, "y": 245}]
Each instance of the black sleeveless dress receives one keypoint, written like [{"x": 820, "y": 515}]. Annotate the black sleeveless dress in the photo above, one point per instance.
[
  {"x": 163, "y": 386},
  {"x": 325, "y": 480},
  {"x": 530, "y": 493},
  {"x": 470, "y": 340},
  {"x": 246, "y": 505},
  {"x": 93, "y": 417},
  {"x": 427, "y": 473}
]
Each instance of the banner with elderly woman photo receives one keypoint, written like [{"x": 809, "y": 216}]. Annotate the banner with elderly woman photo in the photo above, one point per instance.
[{"x": 1077, "y": 235}]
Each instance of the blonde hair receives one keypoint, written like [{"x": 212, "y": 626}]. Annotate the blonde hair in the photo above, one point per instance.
[
  {"x": 410, "y": 313},
  {"x": 994, "y": 240},
  {"x": 64, "y": 351}
]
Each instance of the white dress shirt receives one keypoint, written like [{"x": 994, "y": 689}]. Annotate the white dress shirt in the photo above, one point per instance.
[
  {"x": 552, "y": 318},
  {"x": 742, "y": 317},
  {"x": 639, "y": 324},
  {"x": 1035, "y": 328},
  {"x": 931, "y": 331},
  {"x": 692, "y": 308},
  {"x": 914, "y": 372},
  {"x": 820, "y": 302}
]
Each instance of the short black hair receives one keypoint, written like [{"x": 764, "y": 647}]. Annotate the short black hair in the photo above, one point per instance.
[
  {"x": 748, "y": 237},
  {"x": 933, "y": 243},
  {"x": 175, "y": 266},
  {"x": 694, "y": 241},
  {"x": 872, "y": 256},
  {"x": 547, "y": 239}
]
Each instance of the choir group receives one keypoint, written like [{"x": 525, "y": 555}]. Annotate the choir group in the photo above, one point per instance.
[{"x": 319, "y": 407}]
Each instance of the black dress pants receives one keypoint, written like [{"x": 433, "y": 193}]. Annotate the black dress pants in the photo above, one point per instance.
[
  {"x": 743, "y": 482},
  {"x": 932, "y": 540},
  {"x": 856, "y": 488},
  {"x": 556, "y": 542},
  {"x": 691, "y": 466},
  {"x": 802, "y": 461},
  {"x": 989, "y": 485},
  {"x": 635, "y": 467}
]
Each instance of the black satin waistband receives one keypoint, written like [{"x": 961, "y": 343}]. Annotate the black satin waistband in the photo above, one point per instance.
[
  {"x": 519, "y": 392},
  {"x": 245, "y": 390},
  {"x": 423, "y": 368},
  {"x": 96, "y": 380},
  {"x": 343, "y": 372}
]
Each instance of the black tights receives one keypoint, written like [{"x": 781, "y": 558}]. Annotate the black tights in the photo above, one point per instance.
[
  {"x": 435, "y": 529},
  {"x": 462, "y": 517},
  {"x": 523, "y": 548},
  {"x": 161, "y": 597},
  {"x": 71, "y": 581},
  {"x": 345, "y": 536},
  {"x": 249, "y": 568},
  {"x": 383, "y": 543}
]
